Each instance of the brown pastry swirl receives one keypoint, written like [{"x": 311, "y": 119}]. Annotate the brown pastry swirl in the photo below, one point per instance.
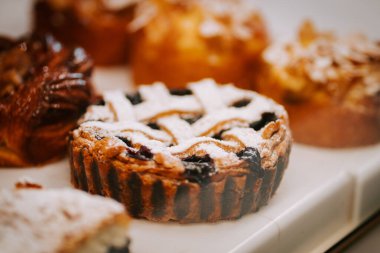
[{"x": 44, "y": 88}]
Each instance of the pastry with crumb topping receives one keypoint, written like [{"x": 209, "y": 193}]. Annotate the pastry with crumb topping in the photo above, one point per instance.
[
  {"x": 207, "y": 153},
  {"x": 329, "y": 85},
  {"x": 44, "y": 89},
  {"x": 99, "y": 26},
  {"x": 184, "y": 41},
  {"x": 61, "y": 221}
]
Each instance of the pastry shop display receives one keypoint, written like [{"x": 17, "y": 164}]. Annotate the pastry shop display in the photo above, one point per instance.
[
  {"x": 185, "y": 41},
  {"x": 44, "y": 89},
  {"x": 99, "y": 26},
  {"x": 202, "y": 154},
  {"x": 330, "y": 86},
  {"x": 61, "y": 221}
]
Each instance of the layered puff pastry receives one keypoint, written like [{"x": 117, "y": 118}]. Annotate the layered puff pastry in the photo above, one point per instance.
[{"x": 44, "y": 89}]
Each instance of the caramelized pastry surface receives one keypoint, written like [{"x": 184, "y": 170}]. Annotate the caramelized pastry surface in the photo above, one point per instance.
[{"x": 44, "y": 89}]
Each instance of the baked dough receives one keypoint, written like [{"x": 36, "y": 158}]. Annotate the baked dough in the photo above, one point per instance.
[
  {"x": 208, "y": 153},
  {"x": 44, "y": 89}
]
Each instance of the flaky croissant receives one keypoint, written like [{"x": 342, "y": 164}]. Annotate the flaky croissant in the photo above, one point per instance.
[{"x": 44, "y": 89}]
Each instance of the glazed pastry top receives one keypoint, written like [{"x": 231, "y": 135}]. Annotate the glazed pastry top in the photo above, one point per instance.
[{"x": 42, "y": 85}]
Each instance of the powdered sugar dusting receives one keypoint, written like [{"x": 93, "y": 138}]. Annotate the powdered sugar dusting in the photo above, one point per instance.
[
  {"x": 49, "y": 220},
  {"x": 176, "y": 138},
  {"x": 121, "y": 107},
  {"x": 248, "y": 136},
  {"x": 99, "y": 113},
  {"x": 176, "y": 127},
  {"x": 207, "y": 92},
  {"x": 129, "y": 126},
  {"x": 194, "y": 147},
  {"x": 156, "y": 92},
  {"x": 329, "y": 61}
]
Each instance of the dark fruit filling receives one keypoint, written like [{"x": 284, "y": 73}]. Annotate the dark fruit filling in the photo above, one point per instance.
[
  {"x": 143, "y": 153},
  {"x": 266, "y": 118},
  {"x": 218, "y": 136},
  {"x": 123, "y": 249},
  {"x": 100, "y": 102},
  {"x": 181, "y": 92},
  {"x": 198, "y": 169},
  {"x": 241, "y": 103},
  {"x": 192, "y": 120},
  {"x": 153, "y": 126},
  {"x": 98, "y": 137},
  {"x": 252, "y": 157},
  {"x": 135, "y": 98},
  {"x": 125, "y": 140}
]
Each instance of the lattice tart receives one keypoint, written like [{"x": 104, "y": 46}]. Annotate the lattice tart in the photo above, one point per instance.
[
  {"x": 330, "y": 86},
  {"x": 44, "y": 89},
  {"x": 184, "y": 41},
  {"x": 99, "y": 26},
  {"x": 61, "y": 221},
  {"x": 207, "y": 153}
]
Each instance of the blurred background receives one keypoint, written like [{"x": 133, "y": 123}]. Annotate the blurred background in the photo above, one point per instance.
[{"x": 282, "y": 16}]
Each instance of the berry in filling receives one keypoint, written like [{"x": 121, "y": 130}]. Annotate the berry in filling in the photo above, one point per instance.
[
  {"x": 266, "y": 118},
  {"x": 198, "y": 169}
]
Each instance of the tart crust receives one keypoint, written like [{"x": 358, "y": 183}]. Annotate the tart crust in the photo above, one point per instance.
[{"x": 159, "y": 188}]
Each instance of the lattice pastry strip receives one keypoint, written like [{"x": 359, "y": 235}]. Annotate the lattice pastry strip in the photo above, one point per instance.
[
  {"x": 208, "y": 95},
  {"x": 208, "y": 153},
  {"x": 179, "y": 129},
  {"x": 121, "y": 107},
  {"x": 186, "y": 106},
  {"x": 165, "y": 110},
  {"x": 156, "y": 93}
]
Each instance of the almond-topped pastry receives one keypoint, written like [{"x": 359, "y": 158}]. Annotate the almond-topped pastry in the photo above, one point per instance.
[
  {"x": 61, "y": 221},
  {"x": 329, "y": 85},
  {"x": 206, "y": 153},
  {"x": 100, "y": 26},
  {"x": 44, "y": 89},
  {"x": 184, "y": 41}
]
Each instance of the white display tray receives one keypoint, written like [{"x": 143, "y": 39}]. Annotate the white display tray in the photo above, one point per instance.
[
  {"x": 324, "y": 193},
  {"x": 323, "y": 196}
]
